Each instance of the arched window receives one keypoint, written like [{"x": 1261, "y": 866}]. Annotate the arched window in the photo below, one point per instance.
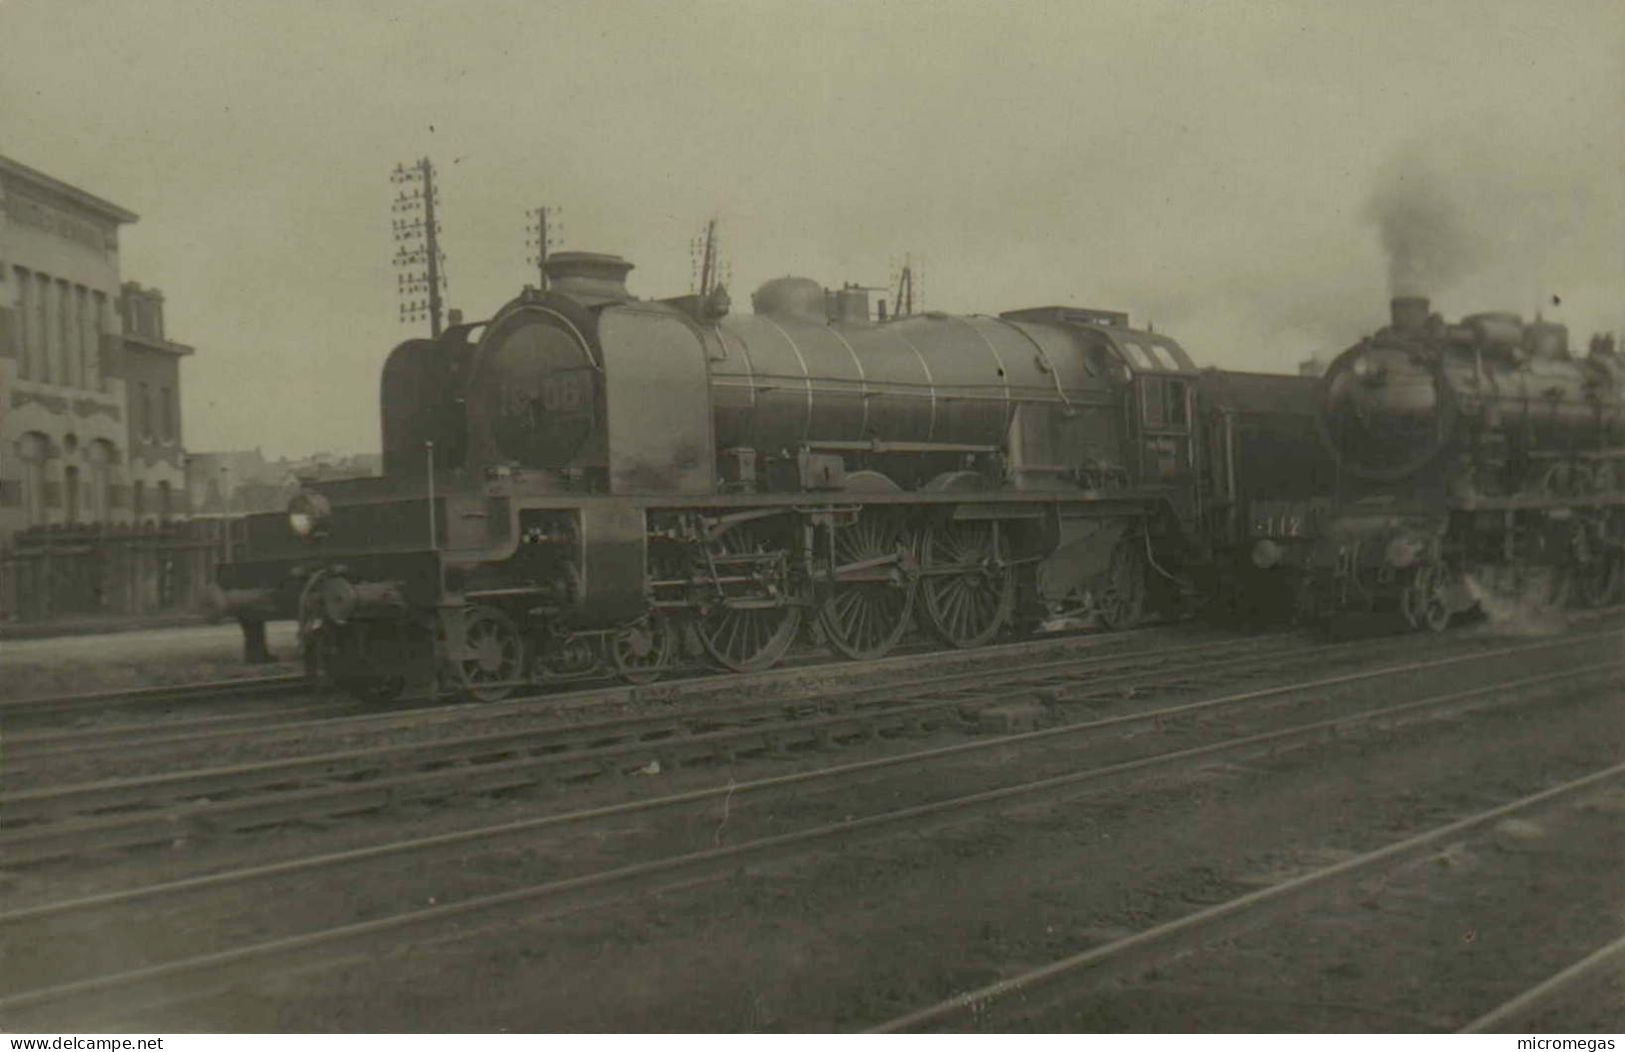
[
  {"x": 70, "y": 493},
  {"x": 32, "y": 449},
  {"x": 102, "y": 456}
]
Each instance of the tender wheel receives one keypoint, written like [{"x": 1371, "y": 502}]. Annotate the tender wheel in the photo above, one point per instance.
[
  {"x": 752, "y": 617},
  {"x": 1120, "y": 595},
  {"x": 966, "y": 581},
  {"x": 492, "y": 665},
  {"x": 871, "y": 599},
  {"x": 641, "y": 652}
]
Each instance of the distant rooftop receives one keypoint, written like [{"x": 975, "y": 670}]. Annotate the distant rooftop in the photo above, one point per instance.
[{"x": 88, "y": 201}]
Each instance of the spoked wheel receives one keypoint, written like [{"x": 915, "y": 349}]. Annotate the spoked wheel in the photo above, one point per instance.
[
  {"x": 1601, "y": 580},
  {"x": 642, "y": 651},
  {"x": 753, "y": 621},
  {"x": 1596, "y": 567},
  {"x": 1423, "y": 603},
  {"x": 966, "y": 580},
  {"x": 493, "y": 659},
  {"x": 871, "y": 599},
  {"x": 1120, "y": 594}
]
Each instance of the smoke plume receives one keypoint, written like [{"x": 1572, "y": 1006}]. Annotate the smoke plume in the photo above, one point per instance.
[
  {"x": 1428, "y": 239},
  {"x": 1501, "y": 214}
]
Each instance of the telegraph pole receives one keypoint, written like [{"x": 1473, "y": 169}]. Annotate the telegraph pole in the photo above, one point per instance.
[
  {"x": 706, "y": 259},
  {"x": 542, "y": 240},
  {"x": 417, "y": 234},
  {"x": 904, "y": 303},
  {"x": 431, "y": 237}
]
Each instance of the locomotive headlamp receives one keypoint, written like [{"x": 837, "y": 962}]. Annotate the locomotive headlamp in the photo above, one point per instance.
[
  {"x": 1266, "y": 553},
  {"x": 307, "y": 514}
]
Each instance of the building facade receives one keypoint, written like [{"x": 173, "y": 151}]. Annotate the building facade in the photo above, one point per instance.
[
  {"x": 156, "y": 463},
  {"x": 92, "y": 460},
  {"x": 63, "y": 432}
]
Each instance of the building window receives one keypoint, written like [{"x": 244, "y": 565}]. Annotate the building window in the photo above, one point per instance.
[
  {"x": 42, "y": 327},
  {"x": 98, "y": 323},
  {"x": 25, "y": 324},
  {"x": 166, "y": 415},
  {"x": 144, "y": 411},
  {"x": 138, "y": 498},
  {"x": 102, "y": 455},
  {"x": 31, "y": 450},
  {"x": 70, "y": 491},
  {"x": 85, "y": 326},
  {"x": 65, "y": 331},
  {"x": 163, "y": 502}
]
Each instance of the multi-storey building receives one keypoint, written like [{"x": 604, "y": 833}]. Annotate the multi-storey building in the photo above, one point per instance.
[
  {"x": 92, "y": 466},
  {"x": 90, "y": 429},
  {"x": 152, "y": 390},
  {"x": 63, "y": 433}
]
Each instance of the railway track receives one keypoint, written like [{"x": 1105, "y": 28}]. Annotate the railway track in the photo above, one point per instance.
[
  {"x": 203, "y": 973},
  {"x": 82, "y": 724},
  {"x": 19, "y": 714},
  {"x": 1566, "y": 985},
  {"x": 51, "y": 822},
  {"x": 347, "y": 720},
  {"x": 54, "y": 821},
  {"x": 1034, "y": 996}
]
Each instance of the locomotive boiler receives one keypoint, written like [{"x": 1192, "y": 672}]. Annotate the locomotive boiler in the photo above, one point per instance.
[
  {"x": 591, "y": 480},
  {"x": 1476, "y": 458}
]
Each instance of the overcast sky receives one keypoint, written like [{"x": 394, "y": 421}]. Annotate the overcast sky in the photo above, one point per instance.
[{"x": 1221, "y": 168}]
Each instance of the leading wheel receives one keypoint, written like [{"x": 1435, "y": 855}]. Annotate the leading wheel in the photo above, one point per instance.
[
  {"x": 752, "y": 616},
  {"x": 1423, "y": 603},
  {"x": 966, "y": 581},
  {"x": 871, "y": 599},
  {"x": 642, "y": 651},
  {"x": 490, "y": 661},
  {"x": 1601, "y": 579}
]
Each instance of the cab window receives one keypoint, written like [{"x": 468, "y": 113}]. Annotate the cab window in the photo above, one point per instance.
[{"x": 1174, "y": 412}]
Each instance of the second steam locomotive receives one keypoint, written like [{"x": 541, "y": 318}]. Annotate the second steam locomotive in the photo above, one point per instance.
[{"x": 1477, "y": 461}]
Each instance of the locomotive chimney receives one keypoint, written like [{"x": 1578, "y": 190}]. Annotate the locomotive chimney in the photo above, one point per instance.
[
  {"x": 590, "y": 275},
  {"x": 1409, "y": 313}
]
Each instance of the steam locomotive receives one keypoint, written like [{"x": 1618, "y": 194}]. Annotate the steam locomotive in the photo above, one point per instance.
[
  {"x": 1475, "y": 461},
  {"x": 588, "y": 481}
]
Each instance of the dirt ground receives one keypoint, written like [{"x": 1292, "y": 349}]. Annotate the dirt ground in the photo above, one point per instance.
[
  {"x": 32, "y": 668},
  {"x": 842, "y": 939},
  {"x": 845, "y": 939}
]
